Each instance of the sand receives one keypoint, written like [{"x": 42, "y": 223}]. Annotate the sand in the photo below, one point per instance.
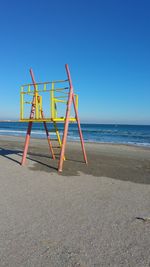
[{"x": 87, "y": 216}]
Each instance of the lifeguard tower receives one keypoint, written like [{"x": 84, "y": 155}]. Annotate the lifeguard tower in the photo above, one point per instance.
[{"x": 32, "y": 97}]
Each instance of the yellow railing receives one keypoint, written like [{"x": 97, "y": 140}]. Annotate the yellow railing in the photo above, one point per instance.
[{"x": 32, "y": 91}]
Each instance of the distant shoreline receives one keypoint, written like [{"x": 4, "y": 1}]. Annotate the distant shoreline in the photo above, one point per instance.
[{"x": 94, "y": 123}]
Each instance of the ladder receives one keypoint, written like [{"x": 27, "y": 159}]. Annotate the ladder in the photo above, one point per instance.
[{"x": 58, "y": 139}]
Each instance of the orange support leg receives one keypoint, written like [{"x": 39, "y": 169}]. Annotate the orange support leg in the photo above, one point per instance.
[
  {"x": 26, "y": 143},
  {"x": 70, "y": 100},
  {"x": 77, "y": 116},
  {"x": 30, "y": 127},
  {"x": 42, "y": 115},
  {"x": 62, "y": 154},
  {"x": 80, "y": 131}
]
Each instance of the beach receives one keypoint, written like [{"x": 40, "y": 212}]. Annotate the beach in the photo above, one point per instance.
[{"x": 87, "y": 216}]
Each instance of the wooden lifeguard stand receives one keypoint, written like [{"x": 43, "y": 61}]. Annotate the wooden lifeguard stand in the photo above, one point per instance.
[{"x": 34, "y": 91}]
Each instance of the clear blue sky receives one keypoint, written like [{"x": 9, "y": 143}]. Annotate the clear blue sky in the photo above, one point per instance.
[{"x": 105, "y": 43}]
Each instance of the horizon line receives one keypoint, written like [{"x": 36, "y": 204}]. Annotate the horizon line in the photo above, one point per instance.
[{"x": 104, "y": 123}]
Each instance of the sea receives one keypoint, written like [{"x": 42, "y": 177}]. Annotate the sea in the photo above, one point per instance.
[{"x": 138, "y": 135}]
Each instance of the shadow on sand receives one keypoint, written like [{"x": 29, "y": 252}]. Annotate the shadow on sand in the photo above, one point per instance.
[
  {"x": 125, "y": 169},
  {"x": 7, "y": 153}
]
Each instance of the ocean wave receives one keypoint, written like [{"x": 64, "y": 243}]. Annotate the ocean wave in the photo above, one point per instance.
[
  {"x": 131, "y": 135},
  {"x": 24, "y": 132},
  {"x": 73, "y": 134}
]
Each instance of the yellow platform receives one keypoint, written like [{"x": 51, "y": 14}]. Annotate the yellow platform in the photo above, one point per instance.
[{"x": 47, "y": 96}]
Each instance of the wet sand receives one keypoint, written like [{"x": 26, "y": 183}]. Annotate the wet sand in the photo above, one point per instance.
[{"x": 86, "y": 216}]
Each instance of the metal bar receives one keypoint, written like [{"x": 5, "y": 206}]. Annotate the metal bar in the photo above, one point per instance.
[
  {"x": 70, "y": 99},
  {"x": 80, "y": 131},
  {"x": 52, "y": 101},
  {"x": 58, "y": 135},
  {"x": 55, "y": 90},
  {"x": 27, "y": 102},
  {"x": 59, "y": 100},
  {"x": 26, "y": 143},
  {"x": 77, "y": 101},
  {"x": 55, "y": 110},
  {"x": 58, "y": 119},
  {"x": 36, "y": 103},
  {"x": 27, "y": 140},
  {"x": 49, "y": 141},
  {"x": 40, "y": 106},
  {"x": 64, "y": 96},
  {"x": 26, "y": 93},
  {"x": 77, "y": 116},
  {"x": 61, "y": 90},
  {"x": 21, "y": 104},
  {"x": 42, "y": 115},
  {"x": 64, "y": 140},
  {"x": 59, "y": 81}
]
